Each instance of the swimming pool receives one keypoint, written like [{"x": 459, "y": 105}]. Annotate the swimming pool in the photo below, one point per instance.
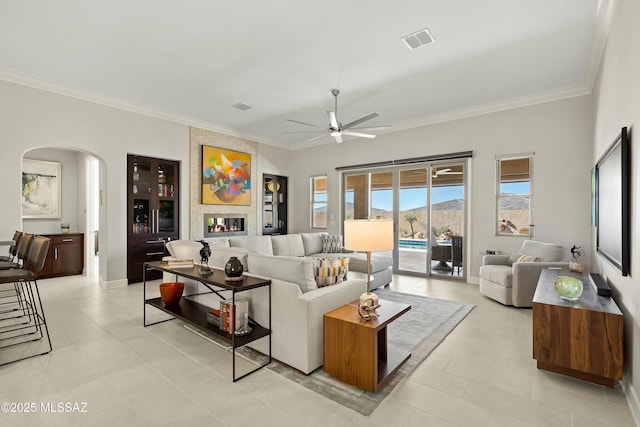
[{"x": 412, "y": 243}]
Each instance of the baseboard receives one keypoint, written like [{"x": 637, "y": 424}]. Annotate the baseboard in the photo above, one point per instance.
[
  {"x": 112, "y": 284},
  {"x": 632, "y": 400},
  {"x": 475, "y": 280}
]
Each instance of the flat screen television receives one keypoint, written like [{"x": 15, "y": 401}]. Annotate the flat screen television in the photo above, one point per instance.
[{"x": 612, "y": 203}]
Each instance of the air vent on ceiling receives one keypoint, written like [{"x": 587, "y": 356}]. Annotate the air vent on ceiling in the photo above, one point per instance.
[
  {"x": 242, "y": 107},
  {"x": 418, "y": 39}
]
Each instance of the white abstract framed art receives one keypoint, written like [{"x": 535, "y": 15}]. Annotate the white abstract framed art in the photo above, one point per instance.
[{"x": 41, "y": 189}]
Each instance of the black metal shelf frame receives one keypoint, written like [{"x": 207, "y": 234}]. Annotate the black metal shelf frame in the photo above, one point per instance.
[{"x": 195, "y": 314}]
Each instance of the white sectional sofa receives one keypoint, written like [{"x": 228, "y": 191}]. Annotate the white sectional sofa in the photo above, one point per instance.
[{"x": 297, "y": 305}]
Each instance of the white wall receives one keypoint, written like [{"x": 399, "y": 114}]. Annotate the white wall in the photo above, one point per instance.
[
  {"x": 276, "y": 161},
  {"x": 558, "y": 132},
  {"x": 34, "y": 119},
  {"x": 72, "y": 193},
  {"x": 617, "y": 104}
]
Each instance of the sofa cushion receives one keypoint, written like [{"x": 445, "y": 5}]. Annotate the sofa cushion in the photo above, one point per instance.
[
  {"x": 220, "y": 256},
  {"x": 331, "y": 243},
  {"x": 379, "y": 261},
  {"x": 528, "y": 258},
  {"x": 500, "y": 274},
  {"x": 218, "y": 242},
  {"x": 185, "y": 249},
  {"x": 261, "y": 244},
  {"x": 547, "y": 252},
  {"x": 312, "y": 242},
  {"x": 290, "y": 269},
  {"x": 287, "y": 245},
  {"x": 330, "y": 271}
]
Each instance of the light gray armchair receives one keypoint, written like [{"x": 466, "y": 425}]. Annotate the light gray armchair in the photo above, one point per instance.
[{"x": 512, "y": 282}]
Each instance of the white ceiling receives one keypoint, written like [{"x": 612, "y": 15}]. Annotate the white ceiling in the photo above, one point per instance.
[{"x": 191, "y": 60}]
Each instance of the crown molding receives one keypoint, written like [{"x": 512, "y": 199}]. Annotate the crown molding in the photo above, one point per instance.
[
  {"x": 604, "y": 18},
  {"x": 108, "y": 101},
  {"x": 521, "y": 102},
  {"x": 525, "y": 101}
]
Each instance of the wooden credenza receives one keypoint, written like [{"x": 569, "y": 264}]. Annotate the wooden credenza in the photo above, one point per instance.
[
  {"x": 65, "y": 256},
  {"x": 582, "y": 339}
]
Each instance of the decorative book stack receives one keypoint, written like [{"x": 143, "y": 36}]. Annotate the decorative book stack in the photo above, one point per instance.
[
  {"x": 177, "y": 262},
  {"x": 227, "y": 311}
]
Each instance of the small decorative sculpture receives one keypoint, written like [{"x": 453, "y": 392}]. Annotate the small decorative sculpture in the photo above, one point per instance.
[
  {"x": 575, "y": 264},
  {"x": 205, "y": 253},
  {"x": 367, "y": 308}
]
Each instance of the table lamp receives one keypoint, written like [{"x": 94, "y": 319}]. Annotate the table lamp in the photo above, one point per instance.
[{"x": 368, "y": 236}]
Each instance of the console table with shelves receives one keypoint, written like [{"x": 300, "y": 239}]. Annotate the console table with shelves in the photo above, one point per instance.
[{"x": 190, "y": 311}]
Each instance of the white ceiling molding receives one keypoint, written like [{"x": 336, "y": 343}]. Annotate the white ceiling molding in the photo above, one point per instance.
[{"x": 606, "y": 9}]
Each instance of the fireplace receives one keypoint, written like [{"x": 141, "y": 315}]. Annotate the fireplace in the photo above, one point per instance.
[{"x": 217, "y": 225}]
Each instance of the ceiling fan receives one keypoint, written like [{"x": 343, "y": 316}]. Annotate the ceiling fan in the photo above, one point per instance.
[
  {"x": 337, "y": 129},
  {"x": 445, "y": 171}
]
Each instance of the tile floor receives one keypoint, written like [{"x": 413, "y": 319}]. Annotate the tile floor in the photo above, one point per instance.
[{"x": 481, "y": 375}]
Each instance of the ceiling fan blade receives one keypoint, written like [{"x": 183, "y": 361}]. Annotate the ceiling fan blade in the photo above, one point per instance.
[
  {"x": 362, "y": 135},
  {"x": 361, "y": 120},
  {"x": 373, "y": 128},
  {"x": 303, "y": 123},
  {"x": 316, "y": 137},
  {"x": 307, "y": 131},
  {"x": 338, "y": 137},
  {"x": 333, "y": 120}
]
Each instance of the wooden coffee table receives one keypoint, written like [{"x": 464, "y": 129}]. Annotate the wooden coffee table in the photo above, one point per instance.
[{"x": 355, "y": 350}]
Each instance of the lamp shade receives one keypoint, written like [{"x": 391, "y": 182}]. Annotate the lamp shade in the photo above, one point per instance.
[{"x": 368, "y": 235}]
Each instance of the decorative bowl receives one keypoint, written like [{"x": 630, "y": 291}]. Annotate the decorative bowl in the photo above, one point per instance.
[
  {"x": 171, "y": 292},
  {"x": 568, "y": 287}
]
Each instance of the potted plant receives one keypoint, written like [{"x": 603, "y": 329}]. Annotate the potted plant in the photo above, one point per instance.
[{"x": 575, "y": 264}]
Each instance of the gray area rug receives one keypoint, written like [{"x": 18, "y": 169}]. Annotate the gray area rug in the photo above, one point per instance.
[{"x": 419, "y": 331}]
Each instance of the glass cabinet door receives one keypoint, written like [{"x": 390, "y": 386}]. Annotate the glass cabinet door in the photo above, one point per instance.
[{"x": 141, "y": 189}]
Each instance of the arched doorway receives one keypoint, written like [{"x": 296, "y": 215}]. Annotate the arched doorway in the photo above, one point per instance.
[{"x": 79, "y": 201}]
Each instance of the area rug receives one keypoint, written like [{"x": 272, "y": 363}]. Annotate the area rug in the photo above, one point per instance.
[{"x": 419, "y": 331}]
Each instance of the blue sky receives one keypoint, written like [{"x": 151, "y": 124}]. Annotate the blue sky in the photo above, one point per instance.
[{"x": 411, "y": 198}]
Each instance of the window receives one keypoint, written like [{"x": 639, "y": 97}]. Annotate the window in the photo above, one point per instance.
[
  {"x": 514, "y": 195},
  {"x": 319, "y": 201}
]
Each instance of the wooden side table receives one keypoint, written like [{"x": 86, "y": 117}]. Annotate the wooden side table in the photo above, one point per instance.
[{"x": 355, "y": 350}]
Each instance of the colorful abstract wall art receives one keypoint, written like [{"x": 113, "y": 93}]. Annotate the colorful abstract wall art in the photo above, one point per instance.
[{"x": 226, "y": 177}]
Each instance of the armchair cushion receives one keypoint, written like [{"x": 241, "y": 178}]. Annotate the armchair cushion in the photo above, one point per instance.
[
  {"x": 514, "y": 257},
  {"x": 547, "y": 252},
  {"x": 501, "y": 274}
]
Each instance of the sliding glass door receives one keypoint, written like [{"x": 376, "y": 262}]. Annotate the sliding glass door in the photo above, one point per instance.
[
  {"x": 413, "y": 221},
  {"x": 427, "y": 205},
  {"x": 448, "y": 219}
]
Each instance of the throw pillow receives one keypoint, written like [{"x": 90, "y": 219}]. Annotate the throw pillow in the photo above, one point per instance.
[
  {"x": 528, "y": 258},
  {"x": 330, "y": 271},
  {"x": 331, "y": 243},
  {"x": 514, "y": 258}
]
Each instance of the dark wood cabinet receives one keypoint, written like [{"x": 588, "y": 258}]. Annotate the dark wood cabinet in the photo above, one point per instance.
[
  {"x": 65, "y": 256},
  {"x": 274, "y": 204},
  {"x": 153, "y": 209}
]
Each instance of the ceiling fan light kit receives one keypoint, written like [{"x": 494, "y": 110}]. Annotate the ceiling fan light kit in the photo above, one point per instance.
[{"x": 336, "y": 129}]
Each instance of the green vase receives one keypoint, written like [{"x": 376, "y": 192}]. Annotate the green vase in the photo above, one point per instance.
[{"x": 569, "y": 288}]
